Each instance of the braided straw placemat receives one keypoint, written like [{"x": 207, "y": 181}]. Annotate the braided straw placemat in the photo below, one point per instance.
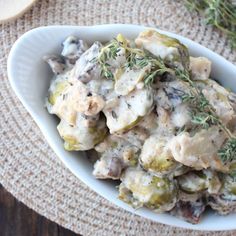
[{"x": 28, "y": 167}]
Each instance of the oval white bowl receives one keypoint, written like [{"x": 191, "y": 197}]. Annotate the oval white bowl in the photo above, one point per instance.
[{"x": 30, "y": 76}]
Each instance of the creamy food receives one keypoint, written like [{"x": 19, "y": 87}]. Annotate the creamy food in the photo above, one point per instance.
[{"x": 155, "y": 118}]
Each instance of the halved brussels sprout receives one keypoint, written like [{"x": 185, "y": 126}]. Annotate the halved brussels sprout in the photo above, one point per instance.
[
  {"x": 116, "y": 154},
  {"x": 140, "y": 188},
  {"x": 81, "y": 137},
  {"x": 160, "y": 45},
  {"x": 232, "y": 167},
  {"x": 181, "y": 170},
  {"x": 121, "y": 39},
  {"x": 56, "y": 89},
  {"x": 197, "y": 181},
  {"x": 129, "y": 110},
  {"x": 225, "y": 201},
  {"x": 119, "y": 147},
  {"x": 156, "y": 157},
  {"x": 57, "y": 102},
  {"x": 228, "y": 190},
  {"x": 127, "y": 79}
]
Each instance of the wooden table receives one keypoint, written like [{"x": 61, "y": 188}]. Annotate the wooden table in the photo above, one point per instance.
[{"x": 16, "y": 219}]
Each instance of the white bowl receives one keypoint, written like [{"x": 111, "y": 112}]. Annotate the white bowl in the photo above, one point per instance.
[{"x": 29, "y": 77}]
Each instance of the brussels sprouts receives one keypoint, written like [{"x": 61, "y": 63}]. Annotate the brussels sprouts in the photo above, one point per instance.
[
  {"x": 56, "y": 89},
  {"x": 196, "y": 181},
  {"x": 232, "y": 167},
  {"x": 225, "y": 201},
  {"x": 121, "y": 39},
  {"x": 230, "y": 186},
  {"x": 169, "y": 49},
  {"x": 192, "y": 182},
  {"x": 181, "y": 170},
  {"x": 81, "y": 137},
  {"x": 140, "y": 188},
  {"x": 156, "y": 158},
  {"x": 129, "y": 110},
  {"x": 126, "y": 79},
  {"x": 116, "y": 154}
]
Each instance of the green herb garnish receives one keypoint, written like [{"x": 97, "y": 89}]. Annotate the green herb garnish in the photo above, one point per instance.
[
  {"x": 108, "y": 52},
  {"x": 135, "y": 59},
  {"x": 204, "y": 115},
  {"x": 218, "y": 13},
  {"x": 228, "y": 152}
]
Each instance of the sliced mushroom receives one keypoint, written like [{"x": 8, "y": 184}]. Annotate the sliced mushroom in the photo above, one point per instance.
[
  {"x": 73, "y": 48},
  {"x": 129, "y": 110},
  {"x": 56, "y": 63},
  {"x": 116, "y": 154},
  {"x": 108, "y": 168},
  {"x": 189, "y": 211},
  {"x": 86, "y": 67}
]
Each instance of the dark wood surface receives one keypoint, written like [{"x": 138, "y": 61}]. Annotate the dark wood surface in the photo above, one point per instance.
[{"x": 16, "y": 219}]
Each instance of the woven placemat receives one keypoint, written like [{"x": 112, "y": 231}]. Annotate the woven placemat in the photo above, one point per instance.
[{"x": 28, "y": 167}]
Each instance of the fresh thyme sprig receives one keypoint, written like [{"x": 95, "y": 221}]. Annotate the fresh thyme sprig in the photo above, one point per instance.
[
  {"x": 108, "y": 52},
  {"x": 219, "y": 13},
  {"x": 204, "y": 115},
  {"x": 135, "y": 59},
  {"x": 228, "y": 152}
]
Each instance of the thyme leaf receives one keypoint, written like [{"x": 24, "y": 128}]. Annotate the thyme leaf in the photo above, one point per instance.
[
  {"x": 228, "y": 152},
  {"x": 135, "y": 59},
  {"x": 204, "y": 115}
]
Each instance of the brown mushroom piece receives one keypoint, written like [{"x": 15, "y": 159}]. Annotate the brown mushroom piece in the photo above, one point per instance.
[
  {"x": 108, "y": 167},
  {"x": 189, "y": 211},
  {"x": 73, "y": 48},
  {"x": 86, "y": 67},
  {"x": 56, "y": 63},
  {"x": 115, "y": 155}
]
